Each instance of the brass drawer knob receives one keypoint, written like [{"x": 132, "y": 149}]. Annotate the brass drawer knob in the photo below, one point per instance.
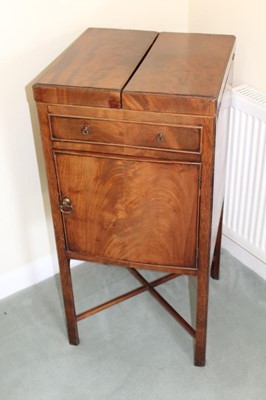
[
  {"x": 66, "y": 206},
  {"x": 85, "y": 130},
  {"x": 160, "y": 138}
]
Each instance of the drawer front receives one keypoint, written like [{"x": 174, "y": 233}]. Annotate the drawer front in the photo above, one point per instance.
[{"x": 121, "y": 133}]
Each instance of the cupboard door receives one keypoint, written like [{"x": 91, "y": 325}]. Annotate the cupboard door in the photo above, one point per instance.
[{"x": 138, "y": 211}]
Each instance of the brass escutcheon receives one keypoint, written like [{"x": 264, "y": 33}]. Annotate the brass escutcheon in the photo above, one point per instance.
[
  {"x": 160, "y": 138},
  {"x": 85, "y": 130}
]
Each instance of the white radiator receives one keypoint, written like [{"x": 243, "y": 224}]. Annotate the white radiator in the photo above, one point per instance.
[{"x": 245, "y": 196}]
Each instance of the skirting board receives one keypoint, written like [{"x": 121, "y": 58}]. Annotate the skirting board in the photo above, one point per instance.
[
  {"x": 29, "y": 274},
  {"x": 244, "y": 256},
  {"x": 46, "y": 267}
]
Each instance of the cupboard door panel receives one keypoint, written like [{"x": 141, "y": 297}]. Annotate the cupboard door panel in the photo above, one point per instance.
[{"x": 130, "y": 210}]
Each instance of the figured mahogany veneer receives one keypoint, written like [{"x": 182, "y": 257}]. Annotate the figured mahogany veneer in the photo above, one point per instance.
[
  {"x": 121, "y": 209},
  {"x": 134, "y": 136},
  {"x": 170, "y": 137},
  {"x": 95, "y": 68},
  {"x": 188, "y": 67}
]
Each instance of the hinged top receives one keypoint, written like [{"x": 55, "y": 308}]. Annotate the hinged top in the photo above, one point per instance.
[
  {"x": 140, "y": 70},
  {"x": 182, "y": 73},
  {"x": 94, "y": 69}
]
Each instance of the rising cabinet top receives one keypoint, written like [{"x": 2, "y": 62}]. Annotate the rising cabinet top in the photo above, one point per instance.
[{"x": 139, "y": 70}]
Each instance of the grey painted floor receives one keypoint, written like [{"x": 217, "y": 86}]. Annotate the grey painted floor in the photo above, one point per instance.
[{"x": 134, "y": 350}]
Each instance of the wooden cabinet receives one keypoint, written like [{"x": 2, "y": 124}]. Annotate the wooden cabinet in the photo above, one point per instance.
[{"x": 129, "y": 122}]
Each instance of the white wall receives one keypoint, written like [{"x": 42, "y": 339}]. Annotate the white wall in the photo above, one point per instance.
[
  {"x": 244, "y": 19},
  {"x": 32, "y": 33}
]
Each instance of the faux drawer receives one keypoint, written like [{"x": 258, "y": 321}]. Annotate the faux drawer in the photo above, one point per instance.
[{"x": 121, "y": 133}]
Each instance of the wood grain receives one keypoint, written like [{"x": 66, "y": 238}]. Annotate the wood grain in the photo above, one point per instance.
[
  {"x": 177, "y": 138},
  {"x": 137, "y": 211},
  {"x": 94, "y": 69},
  {"x": 188, "y": 68}
]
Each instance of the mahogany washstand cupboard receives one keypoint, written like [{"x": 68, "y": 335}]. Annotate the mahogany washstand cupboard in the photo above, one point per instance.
[{"x": 135, "y": 148}]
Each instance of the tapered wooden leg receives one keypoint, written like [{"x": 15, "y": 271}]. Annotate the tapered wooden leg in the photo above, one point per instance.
[
  {"x": 215, "y": 268},
  {"x": 68, "y": 296},
  {"x": 201, "y": 319}
]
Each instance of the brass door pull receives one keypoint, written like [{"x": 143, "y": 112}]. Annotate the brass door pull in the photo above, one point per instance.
[{"x": 66, "y": 206}]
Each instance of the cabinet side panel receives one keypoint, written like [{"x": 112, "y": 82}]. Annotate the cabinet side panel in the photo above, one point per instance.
[
  {"x": 51, "y": 176},
  {"x": 221, "y": 146}
]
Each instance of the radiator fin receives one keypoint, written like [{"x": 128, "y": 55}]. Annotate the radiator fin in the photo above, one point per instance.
[
  {"x": 245, "y": 196},
  {"x": 251, "y": 94}
]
